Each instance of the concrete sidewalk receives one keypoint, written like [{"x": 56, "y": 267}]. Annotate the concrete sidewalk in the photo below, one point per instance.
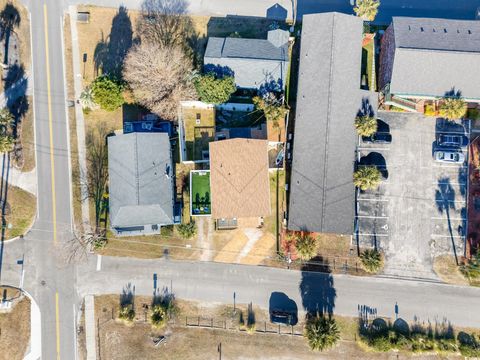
[
  {"x": 90, "y": 327},
  {"x": 24, "y": 180},
  {"x": 80, "y": 121}
]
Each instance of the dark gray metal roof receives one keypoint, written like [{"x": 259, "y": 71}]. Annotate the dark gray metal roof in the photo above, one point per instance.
[
  {"x": 140, "y": 179},
  {"x": 434, "y": 56},
  {"x": 253, "y": 61},
  {"x": 437, "y": 34},
  {"x": 322, "y": 194}
]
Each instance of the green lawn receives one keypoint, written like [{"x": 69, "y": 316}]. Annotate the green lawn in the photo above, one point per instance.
[{"x": 200, "y": 193}]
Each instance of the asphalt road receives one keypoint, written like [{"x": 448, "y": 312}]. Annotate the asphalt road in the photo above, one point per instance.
[
  {"x": 458, "y": 9},
  {"x": 54, "y": 284},
  {"x": 215, "y": 282},
  {"x": 47, "y": 278}
]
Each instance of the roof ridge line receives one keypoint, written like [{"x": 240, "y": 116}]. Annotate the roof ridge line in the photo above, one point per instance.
[{"x": 325, "y": 163}]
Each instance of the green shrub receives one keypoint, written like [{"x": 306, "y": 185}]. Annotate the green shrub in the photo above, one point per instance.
[
  {"x": 107, "y": 92},
  {"x": 187, "y": 230},
  {"x": 429, "y": 110},
  {"x": 214, "y": 90},
  {"x": 366, "y": 125},
  {"x": 159, "y": 316},
  {"x": 127, "y": 313},
  {"x": 471, "y": 270},
  {"x": 367, "y": 178}
]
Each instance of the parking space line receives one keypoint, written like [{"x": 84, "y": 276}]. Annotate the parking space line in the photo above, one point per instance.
[
  {"x": 445, "y": 218},
  {"x": 451, "y": 201},
  {"x": 448, "y": 236},
  {"x": 371, "y": 148},
  {"x": 373, "y": 199},
  {"x": 371, "y": 217},
  {"x": 449, "y": 183},
  {"x": 366, "y": 234},
  {"x": 449, "y": 166}
]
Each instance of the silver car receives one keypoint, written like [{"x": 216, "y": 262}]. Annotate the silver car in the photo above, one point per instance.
[{"x": 455, "y": 157}]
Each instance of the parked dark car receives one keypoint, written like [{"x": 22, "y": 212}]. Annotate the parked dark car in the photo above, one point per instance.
[
  {"x": 283, "y": 317},
  {"x": 451, "y": 140},
  {"x": 378, "y": 138}
]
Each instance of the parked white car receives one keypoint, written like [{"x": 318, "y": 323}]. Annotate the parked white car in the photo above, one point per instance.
[{"x": 450, "y": 157}]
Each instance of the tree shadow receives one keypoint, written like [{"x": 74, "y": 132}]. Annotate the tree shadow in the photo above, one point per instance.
[
  {"x": 110, "y": 53},
  {"x": 9, "y": 19},
  {"x": 317, "y": 290},
  {"x": 218, "y": 70},
  {"x": 366, "y": 109},
  {"x": 128, "y": 295},
  {"x": 444, "y": 199},
  {"x": 375, "y": 159}
]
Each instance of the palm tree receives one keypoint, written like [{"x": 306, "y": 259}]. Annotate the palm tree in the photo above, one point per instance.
[
  {"x": 453, "y": 108},
  {"x": 371, "y": 260},
  {"x": 321, "y": 332},
  {"x": 366, "y": 9},
  {"x": 6, "y": 143},
  {"x": 86, "y": 99},
  {"x": 366, "y": 125},
  {"x": 306, "y": 246},
  {"x": 367, "y": 177},
  {"x": 6, "y": 119}
]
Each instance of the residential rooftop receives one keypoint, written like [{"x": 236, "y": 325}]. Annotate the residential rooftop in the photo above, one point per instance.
[
  {"x": 322, "y": 194},
  {"x": 140, "y": 180},
  {"x": 239, "y": 179},
  {"x": 253, "y": 61}
]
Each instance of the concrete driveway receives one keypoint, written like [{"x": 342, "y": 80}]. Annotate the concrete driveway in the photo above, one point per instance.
[{"x": 419, "y": 210}]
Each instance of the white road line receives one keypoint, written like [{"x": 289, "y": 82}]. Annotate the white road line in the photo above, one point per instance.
[
  {"x": 372, "y": 148},
  {"x": 366, "y": 234},
  {"x": 449, "y": 183},
  {"x": 445, "y": 218},
  {"x": 371, "y": 217},
  {"x": 450, "y": 166},
  {"x": 452, "y": 201},
  {"x": 99, "y": 262},
  {"x": 372, "y": 199},
  {"x": 447, "y": 236}
]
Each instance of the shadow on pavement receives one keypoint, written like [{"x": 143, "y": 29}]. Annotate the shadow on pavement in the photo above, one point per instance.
[{"x": 317, "y": 291}]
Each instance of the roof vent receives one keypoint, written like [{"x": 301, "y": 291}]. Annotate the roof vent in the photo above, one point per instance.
[
  {"x": 469, "y": 32},
  {"x": 421, "y": 29},
  {"x": 445, "y": 30},
  {"x": 458, "y": 31},
  {"x": 409, "y": 28}
]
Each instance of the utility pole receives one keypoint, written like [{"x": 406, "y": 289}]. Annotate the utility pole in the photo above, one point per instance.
[{"x": 219, "y": 349}]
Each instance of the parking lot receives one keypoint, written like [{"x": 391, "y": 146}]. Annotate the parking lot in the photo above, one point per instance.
[{"x": 419, "y": 210}]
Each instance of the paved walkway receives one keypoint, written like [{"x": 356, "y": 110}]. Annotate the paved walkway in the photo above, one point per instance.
[
  {"x": 35, "y": 352},
  {"x": 90, "y": 327},
  {"x": 24, "y": 180},
  {"x": 80, "y": 121}
]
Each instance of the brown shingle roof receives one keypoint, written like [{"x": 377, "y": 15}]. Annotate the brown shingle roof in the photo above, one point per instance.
[{"x": 239, "y": 179}]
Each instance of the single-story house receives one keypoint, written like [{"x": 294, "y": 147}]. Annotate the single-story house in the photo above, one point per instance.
[
  {"x": 253, "y": 62},
  {"x": 329, "y": 97},
  {"x": 141, "y": 183},
  {"x": 427, "y": 59},
  {"x": 239, "y": 180}
]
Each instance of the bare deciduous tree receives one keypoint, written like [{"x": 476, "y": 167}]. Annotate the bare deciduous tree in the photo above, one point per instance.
[
  {"x": 164, "y": 22},
  {"x": 97, "y": 162},
  {"x": 77, "y": 248},
  {"x": 159, "y": 77}
]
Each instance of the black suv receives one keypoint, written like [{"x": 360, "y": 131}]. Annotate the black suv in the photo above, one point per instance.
[
  {"x": 283, "y": 317},
  {"x": 451, "y": 140}
]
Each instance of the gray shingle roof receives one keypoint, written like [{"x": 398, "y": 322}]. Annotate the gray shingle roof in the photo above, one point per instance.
[
  {"x": 322, "y": 194},
  {"x": 141, "y": 193},
  {"x": 253, "y": 61},
  {"x": 431, "y": 63}
]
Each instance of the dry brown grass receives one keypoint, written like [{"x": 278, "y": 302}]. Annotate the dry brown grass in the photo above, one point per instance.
[
  {"x": 27, "y": 138},
  {"x": 134, "y": 342},
  {"x": 448, "y": 271},
  {"x": 15, "y": 328},
  {"x": 22, "y": 211}
]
